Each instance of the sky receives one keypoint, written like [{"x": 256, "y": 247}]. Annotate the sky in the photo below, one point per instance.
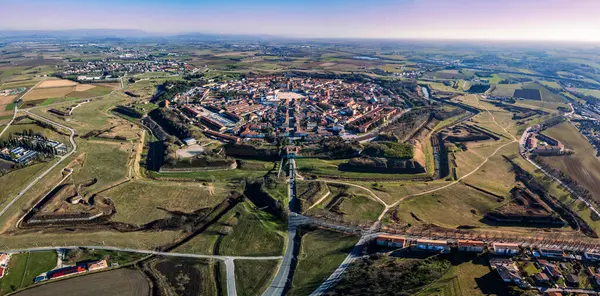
[{"x": 561, "y": 20}]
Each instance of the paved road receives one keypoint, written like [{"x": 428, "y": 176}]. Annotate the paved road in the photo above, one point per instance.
[
  {"x": 230, "y": 271},
  {"x": 281, "y": 279},
  {"x": 337, "y": 274},
  {"x": 40, "y": 177},
  {"x": 10, "y": 122},
  {"x": 148, "y": 252}
]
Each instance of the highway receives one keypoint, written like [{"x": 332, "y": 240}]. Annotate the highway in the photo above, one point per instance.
[{"x": 41, "y": 176}]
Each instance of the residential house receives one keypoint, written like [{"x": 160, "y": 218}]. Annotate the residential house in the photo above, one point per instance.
[
  {"x": 471, "y": 246},
  {"x": 391, "y": 241},
  {"x": 505, "y": 249}
]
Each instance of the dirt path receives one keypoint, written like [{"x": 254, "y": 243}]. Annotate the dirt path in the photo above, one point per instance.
[{"x": 515, "y": 140}]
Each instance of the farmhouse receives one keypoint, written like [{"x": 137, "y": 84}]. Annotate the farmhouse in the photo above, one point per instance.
[
  {"x": 391, "y": 241},
  {"x": 97, "y": 265},
  {"x": 471, "y": 246}
]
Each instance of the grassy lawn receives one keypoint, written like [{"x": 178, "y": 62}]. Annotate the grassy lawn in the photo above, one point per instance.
[
  {"x": 14, "y": 274},
  {"x": 252, "y": 277},
  {"x": 496, "y": 175},
  {"x": 451, "y": 207},
  {"x": 465, "y": 278},
  {"x": 76, "y": 256},
  {"x": 142, "y": 201},
  {"x": 322, "y": 251},
  {"x": 16, "y": 180},
  {"x": 106, "y": 162},
  {"x": 252, "y": 233},
  {"x": 279, "y": 191},
  {"x": 23, "y": 268}
]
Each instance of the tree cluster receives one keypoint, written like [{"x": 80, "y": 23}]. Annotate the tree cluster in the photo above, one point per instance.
[{"x": 390, "y": 276}]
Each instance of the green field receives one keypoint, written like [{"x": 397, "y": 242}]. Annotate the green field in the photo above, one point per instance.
[
  {"x": 582, "y": 166},
  {"x": 322, "y": 251},
  {"x": 252, "y": 232},
  {"x": 469, "y": 276},
  {"x": 451, "y": 207},
  {"x": 142, "y": 201},
  {"x": 9, "y": 107},
  {"x": 357, "y": 206},
  {"x": 105, "y": 162},
  {"x": 24, "y": 267},
  {"x": 252, "y": 277}
]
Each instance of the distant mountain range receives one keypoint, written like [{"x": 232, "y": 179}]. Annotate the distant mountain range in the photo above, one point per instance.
[{"x": 123, "y": 33}]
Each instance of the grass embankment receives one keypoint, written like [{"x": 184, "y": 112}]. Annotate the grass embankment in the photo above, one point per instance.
[
  {"x": 350, "y": 203},
  {"x": 322, "y": 252},
  {"x": 252, "y": 277},
  {"x": 243, "y": 231},
  {"x": 329, "y": 169},
  {"x": 252, "y": 169}
]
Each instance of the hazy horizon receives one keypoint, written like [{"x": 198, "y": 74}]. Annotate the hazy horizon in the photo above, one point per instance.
[{"x": 511, "y": 20}]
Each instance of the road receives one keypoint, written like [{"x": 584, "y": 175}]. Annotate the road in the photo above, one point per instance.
[
  {"x": 230, "y": 273},
  {"x": 10, "y": 122},
  {"x": 41, "y": 176},
  {"x": 148, "y": 252},
  {"x": 337, "y": 274},
  {"x": 17, "y": 108},
  {"x": 281, "y": 279}
]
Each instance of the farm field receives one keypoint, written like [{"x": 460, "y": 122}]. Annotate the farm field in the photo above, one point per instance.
[
  {"x": 120, "y": 282},
  {"x": 185, "y": 276},
  {"x": 58, "y": 90},
  {"x": 589, "y": 92},
  {"x": 322, "y": 251},
  {"x": 24, "y": 268},
  {"x": 252, "y": 277},
  {"x": 582, "y": 166},
  {"x": 6, "y": 105},
  {"x": 528, "y": 91},
  {"x": 142, "y": 201}
]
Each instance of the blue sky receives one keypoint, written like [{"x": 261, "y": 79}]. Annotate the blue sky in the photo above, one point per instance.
[{"x": 454, "y": 19}]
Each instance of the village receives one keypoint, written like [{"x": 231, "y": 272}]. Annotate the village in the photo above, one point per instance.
[
  {"x": 275, "y": 106},
  {"x": 550, "y": 269},
  {"x": 114, "y": 68}
]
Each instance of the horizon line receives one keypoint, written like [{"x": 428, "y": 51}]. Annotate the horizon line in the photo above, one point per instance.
[{"x": 302, "y": 37}]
